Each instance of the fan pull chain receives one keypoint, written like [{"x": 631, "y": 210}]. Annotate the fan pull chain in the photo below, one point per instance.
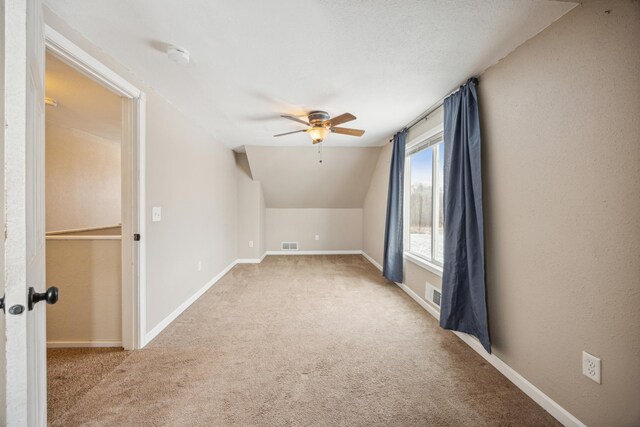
[{"x": 320, "y": 151}]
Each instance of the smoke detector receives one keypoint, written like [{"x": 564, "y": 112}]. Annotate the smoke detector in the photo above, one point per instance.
[{"x": 178, "y": 55}]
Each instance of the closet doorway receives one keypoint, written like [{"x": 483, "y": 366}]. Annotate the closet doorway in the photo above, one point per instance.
[{"x": 94, "y": 139}]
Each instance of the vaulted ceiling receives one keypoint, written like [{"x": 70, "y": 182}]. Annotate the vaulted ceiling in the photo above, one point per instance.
[
  {"x": 294, "y": 177},
  {"x": 383, "y": 60}
]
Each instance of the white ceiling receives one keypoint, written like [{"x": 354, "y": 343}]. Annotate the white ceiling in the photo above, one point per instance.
[
  {"x": 293, "y": 177},
  {"x": 82, "y": 103},
  {"x": 385, "y": 61}
]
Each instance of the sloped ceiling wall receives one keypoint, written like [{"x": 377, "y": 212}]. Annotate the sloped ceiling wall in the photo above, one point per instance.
[{"x": 293, "y": 177}]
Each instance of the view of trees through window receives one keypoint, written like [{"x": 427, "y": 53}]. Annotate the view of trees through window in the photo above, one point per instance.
[{"x": 426, "y": 206}]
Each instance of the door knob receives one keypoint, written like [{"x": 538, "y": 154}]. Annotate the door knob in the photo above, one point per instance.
[{"x": 50, "y": 296}]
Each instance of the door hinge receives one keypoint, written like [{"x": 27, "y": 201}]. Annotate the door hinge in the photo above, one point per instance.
[{"x": 136, "y": 237}]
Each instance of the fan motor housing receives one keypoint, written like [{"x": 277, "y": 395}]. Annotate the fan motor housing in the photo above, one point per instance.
[{"x": 317, "y": 118}]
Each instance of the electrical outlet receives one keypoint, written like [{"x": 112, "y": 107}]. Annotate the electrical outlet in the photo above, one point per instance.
[
  {"x": 250, "y": 243},
  {"x": 317, "y": 237},
  {"x": 199, "y": 265},
  {"x": 156, "y": 214},
  {"x": 591, "y": 367}
]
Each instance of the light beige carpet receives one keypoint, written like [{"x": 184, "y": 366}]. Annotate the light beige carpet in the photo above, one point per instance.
[
  {"x": 305, "y": 341},
  {"x": 72, "y": 372}
]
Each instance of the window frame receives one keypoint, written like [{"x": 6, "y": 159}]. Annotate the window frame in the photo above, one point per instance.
[{"x": 429, "y": 139}]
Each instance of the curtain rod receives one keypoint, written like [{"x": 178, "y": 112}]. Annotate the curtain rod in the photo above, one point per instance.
[
  {"x": 434, "y": 107},
  {"x": 427, "y": 113}
]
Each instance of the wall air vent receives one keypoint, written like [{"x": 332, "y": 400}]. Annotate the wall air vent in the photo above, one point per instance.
[
  {"x": 433, "y": 294},
  {"x": 289, "y": 246}
]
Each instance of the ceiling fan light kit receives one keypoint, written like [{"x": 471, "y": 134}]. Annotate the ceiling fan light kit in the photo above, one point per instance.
[
  {"x": 321, "y": 125},
  {"x": 318, "y": 133}
]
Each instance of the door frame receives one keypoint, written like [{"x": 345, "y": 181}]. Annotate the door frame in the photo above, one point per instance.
[{"x": 133, "y": 181}]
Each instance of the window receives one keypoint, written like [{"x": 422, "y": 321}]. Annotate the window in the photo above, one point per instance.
[{"x": 424, "y": 195}]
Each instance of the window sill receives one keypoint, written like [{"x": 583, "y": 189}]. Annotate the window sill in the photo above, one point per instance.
[{"x": 435, "y": 269}]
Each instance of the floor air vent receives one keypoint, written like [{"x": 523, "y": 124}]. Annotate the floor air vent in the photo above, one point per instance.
[
  {"x": 433, "y": 294},
  {"x": 289, "y": 246}
]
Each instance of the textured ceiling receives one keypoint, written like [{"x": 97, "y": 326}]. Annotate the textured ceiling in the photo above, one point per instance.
[
  {"x": 292, "y": 177},
  {"x": 384, "y": 61},
  {"x": 82, "y": 103}
]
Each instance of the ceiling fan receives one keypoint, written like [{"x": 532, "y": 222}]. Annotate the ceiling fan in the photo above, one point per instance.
[{"x": 321, "y": 124}]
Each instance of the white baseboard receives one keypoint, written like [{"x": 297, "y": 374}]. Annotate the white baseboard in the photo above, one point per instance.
[
  {"x": 538, "y": 396},
  {"x": 249, "y": 261},
  {"x": 371, "y": 260},
  {"x": 79, "y": 344},
  {"x": 423, "y": 303},
  {"x": 178, "y": 311},
  {"x": 345, "y": 252}
]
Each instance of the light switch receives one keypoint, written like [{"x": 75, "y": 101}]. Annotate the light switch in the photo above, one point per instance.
[{"x": 156, "y": 214}]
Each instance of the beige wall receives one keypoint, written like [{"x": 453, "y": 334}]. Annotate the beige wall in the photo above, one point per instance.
[
  {"x": 374, "y": 209},
  {"x": 250, "y": 212},
  {"x": 294, "y": 178},
  {"x": 561, "y": 158},
  {"x": 87, "y": 272},
  {"x": 82, "y": 179},
  {"x": 2, "y": 329},
  {"x": 193, "y": 177},
  {"x": 339, "y": 229},
  {"x": 417, "y": 277},
  {"x": 263, "y": 224},
  {"x": 561, "y": 129}
]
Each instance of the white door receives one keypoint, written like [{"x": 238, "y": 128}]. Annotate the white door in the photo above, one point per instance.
[{"x": 25, "y": 335}]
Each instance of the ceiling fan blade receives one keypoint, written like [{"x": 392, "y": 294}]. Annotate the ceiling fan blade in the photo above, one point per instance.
[
  {"x": 289, "y": 133},
  {"x": 348, "y": 131},
  {"x": 295, "y": 119},
  {"x": 342, "y": 118}
]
